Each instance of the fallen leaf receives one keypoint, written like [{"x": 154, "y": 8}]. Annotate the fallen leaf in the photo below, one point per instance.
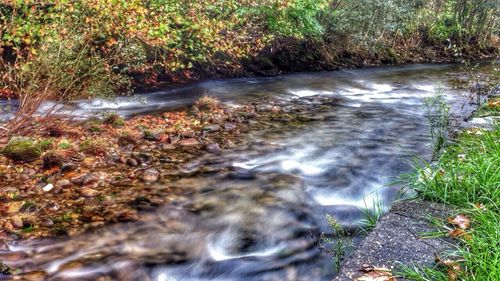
[
  {"x": 461, "y": 221},
  {"x": 453, "y": 268},
  {"x": 455, "y": 233},
  {"x": 480, "y": 206},
  {"x": 494, "y": 103},
  {"x": 376, "y": 274}
]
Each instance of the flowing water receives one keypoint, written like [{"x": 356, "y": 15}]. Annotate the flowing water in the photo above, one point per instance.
[{"x": 262, "y": 219}]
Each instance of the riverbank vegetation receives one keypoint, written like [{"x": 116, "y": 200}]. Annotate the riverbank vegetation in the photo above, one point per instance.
[
  {"x": 65, "y": 50},
  {"x": 467, "y": 177}
]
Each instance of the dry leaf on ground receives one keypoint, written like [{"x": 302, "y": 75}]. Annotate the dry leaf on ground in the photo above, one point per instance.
[
  {"x": 462, "y": 221},
  {"x": 376, "y": 274}
]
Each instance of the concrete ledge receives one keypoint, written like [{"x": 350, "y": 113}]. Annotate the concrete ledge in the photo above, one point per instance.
[{"x": 397, "y": 238}]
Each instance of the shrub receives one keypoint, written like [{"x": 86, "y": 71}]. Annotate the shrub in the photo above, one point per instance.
[{"x": 207, "y": 102}]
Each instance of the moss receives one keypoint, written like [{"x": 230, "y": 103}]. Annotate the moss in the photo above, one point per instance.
[
  {"x": 115, "y": 120},
  {"x": 22, "y": 149},
  {"x": 65, "y": 144},
  {"x": 127, "y": 138},
  {"x": 93, "y": 147},
  {"x": 46, "y": 144}
]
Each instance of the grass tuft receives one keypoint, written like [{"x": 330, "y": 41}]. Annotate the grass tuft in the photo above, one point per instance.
[{"x": 467, "y": 176}]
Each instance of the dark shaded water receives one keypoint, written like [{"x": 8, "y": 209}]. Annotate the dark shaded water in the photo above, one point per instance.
[{"x": 262, "y": 220}]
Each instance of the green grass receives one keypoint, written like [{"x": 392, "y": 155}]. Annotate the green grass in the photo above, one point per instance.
[
  {"x": 371, "y": 214},
  {"x": 467, "y": 176}
]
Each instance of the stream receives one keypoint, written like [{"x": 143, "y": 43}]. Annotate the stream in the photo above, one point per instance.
[{"x": 263, "y": 219}]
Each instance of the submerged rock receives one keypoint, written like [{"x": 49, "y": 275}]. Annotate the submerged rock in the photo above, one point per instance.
[
  {"x": 63, "y": 183},
  {"x": 211, "y": 128},
  {"x": 213, "y": 148},
  {"x": 188, "y": 142},
  {"x": 151, "y": 175}
]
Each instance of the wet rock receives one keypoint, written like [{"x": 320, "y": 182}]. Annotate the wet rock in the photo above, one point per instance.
[
  {"x": 142, "y": 203},
  {"x": 167, "y": 146},
  {"x": 68, "y": 167},
  {"x": 188, "y": 142},
  {"x": 132, "y": 162},
  {"x": 89, "y": 178},
  {"x": 174, "y": 139},
  {"x": 48, "y": 223},
  {"x": 143, "y": 157},
  {"x": 252, "y": 122},
  {"x": 263, "y": 107},
  {"x": 48, "y": 187},
  {"x": 22, "y": 149},
  {"x": 150, "y": 175},
  {"x": 213, "y": 148},
  {"x": 17, "y": 222},
  {"x": 211, "y": 128},
  {"x": 229, "y": 144},
  {"x": 78, "y": 180},
  {"x": 242, "y": 174},
  {"x": 247, "y": 115},
  {"x": 127, "y": 216},
  {"x": 63, "y": 183},
  {"x": 229, "y": 127},
  {"x": 89, "y": 192},
  {"x": 188, "y": 134}
]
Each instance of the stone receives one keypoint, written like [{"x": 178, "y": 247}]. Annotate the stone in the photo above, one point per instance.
[
  {"x": 263, "y": 107},
  {"x": 22, "y": 149},
  {"x": 68, "y": 167},
  {"x": 188, "y": 134},
  {"x": 229, "y": 144},
  {"x": 132, "y": 162},
  {"x": 174, "y": 139},
  {"x": 48, "y": 187},
  {"x": 63, "y": 183},
  {"x": 229, "y": 127},
  {"x": 188, "y": 142},
  {"x": 211, "y": 128},
  {"x": 90, "y": 178},
  {"x": 48, "y": 223},
  {"x": 78, "y": 180},
  {"x": 150, "y": 175},
  {"x": 89, "y": 192},
  {"x": 213, "y": 148},
  {"x": 17, "y": 222},
  {"x": 167, "y": 146}
]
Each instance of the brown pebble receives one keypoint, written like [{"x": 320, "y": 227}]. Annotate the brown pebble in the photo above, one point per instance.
[{"x": 17, "y": 222}]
